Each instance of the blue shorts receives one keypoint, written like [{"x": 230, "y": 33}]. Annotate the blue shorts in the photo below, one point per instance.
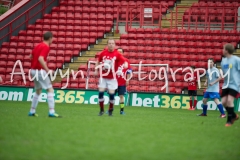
[
  {"x": 211, "y": 95},
  {"x": 121, "y": 90}
]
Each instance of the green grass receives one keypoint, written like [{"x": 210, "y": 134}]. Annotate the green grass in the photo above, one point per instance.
[{"x": 144, "y": 133}]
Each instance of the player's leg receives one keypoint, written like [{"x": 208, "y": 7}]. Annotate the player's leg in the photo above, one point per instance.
[
  {"x": 190, "y": 99},
  {"x": 47, "y": 85},
  {"x": 38, "y": 90},
  {"x": 121, "y": 93},
  {"x": 101, "y": 89},
  {"x": 51, "y": 103},
  {"x": 224, "y": 99},
  {"x": 35, "y": 102},
  {"x": 195, "y": 99},
  {"x": 204, "y": 105},
  {"x": 231, "y": 114},
  {"x": 220, "y": 107},
  {"x": 112, "y": 85}
]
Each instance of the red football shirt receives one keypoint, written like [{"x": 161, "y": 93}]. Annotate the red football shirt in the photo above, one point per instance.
[
  {"x": 121, "y": 78},
  {"x": 41, "y": 49},
  {"x": 192, "y": 85},
  {"x": 108, "y": 59}
]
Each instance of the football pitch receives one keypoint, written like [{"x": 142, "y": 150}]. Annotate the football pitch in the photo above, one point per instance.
[{"x": 143, "y": 133}]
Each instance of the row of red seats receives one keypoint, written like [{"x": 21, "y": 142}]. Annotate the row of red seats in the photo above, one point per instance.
[
  {"x": 65, "y": 33},
  {"x": 225, "y": 3},
  {"x": 152, "y": 36},
  {"x": 142, "y": 49},
  {"x": 165, "y": 43},
  {"x": 87, "y": 21},
  {"x": 81, "y": 16},
  {"x": 13, "y": 46},
  {"x": 6, "y": 55},
  {"x": 189, "y": 32},
  {"x": 181, "y": 57},
  {"x": 194, "y": 18},
  {"x": 8, "y": 70},
  {"x": 58, "y": 39},
  {"x": 114, "y": 3},
  {"x": 203, "y": 11}
]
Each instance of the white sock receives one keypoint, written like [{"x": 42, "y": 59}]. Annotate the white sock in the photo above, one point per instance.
[
  {"x": 34, "y": 103},
  {"x": 51, "y": 103}
]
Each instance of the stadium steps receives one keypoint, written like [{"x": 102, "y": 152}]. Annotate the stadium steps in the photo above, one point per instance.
[
  {"x": 165, "y": 21},
  {"x": 86, "y": 55}
]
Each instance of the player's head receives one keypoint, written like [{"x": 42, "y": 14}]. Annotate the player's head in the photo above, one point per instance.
[
  {"x": 120, "y": 50},
  {"x": 211, "y": 62},
  {"x": 111, "y": 44},
  {"x": 48, "y": 37},
  {"x": 228, "y": 49}
]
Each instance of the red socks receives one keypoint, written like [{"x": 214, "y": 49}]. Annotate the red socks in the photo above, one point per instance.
[
  {"x": 190, "y": 103},
  {"x": 101, "y": 104},
  {"x": 195, "y": 104},
  {"x": 111, "y": 106}
]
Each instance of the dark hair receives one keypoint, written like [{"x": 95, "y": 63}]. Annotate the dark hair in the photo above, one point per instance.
[
  {"x": 211, "y": 59},
  {"x": 193, "y": 67},
  {"x": 47, "y": 36},
  {"x": 121, "y": 49},
  {"x": 229, "y": 48}
]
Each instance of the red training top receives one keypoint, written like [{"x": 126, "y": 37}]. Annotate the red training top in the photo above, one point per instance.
[
  {"x": 121, "y": 78},
  {"x": 108, "y": 59},
  {"x": 41, "y": 49},
  {"x": 192, "y": 84}
]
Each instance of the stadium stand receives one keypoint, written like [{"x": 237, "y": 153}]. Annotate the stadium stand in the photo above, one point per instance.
[{"x": 81, "y": 29}]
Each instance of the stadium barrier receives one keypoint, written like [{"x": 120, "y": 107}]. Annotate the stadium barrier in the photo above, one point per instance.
[{"x": 159, "y": 100}]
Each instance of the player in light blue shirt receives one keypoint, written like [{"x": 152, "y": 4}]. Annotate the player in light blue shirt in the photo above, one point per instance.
[
  {"x": 231, "y": 72},
  {"x": 212, "y": 83}
]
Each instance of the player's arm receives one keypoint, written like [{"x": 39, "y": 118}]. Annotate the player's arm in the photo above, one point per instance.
[
  {"x": 217, "y": 80},
  {"x": 122, "y": 61},
  {"x": 98, "y": 62},
  {"x": 96, "y": 69},
  {"x": 41, "y": 60},
  {"x": 43, "y": 63},
  {"x": 206, "y": 82},
  {"x": 129, "y": 75}
]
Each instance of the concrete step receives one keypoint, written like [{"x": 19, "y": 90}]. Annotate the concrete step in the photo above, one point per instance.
[
  {"x": 185, "y": 4},
  {"x": 99, "y": 46},
  {"x": 189, "y": 1},
  {"x": 89, "y": 55},
  {"x": 74, "y": 66},
  {"x": 113, "y": 37},
  {"x": 96, "y": 49},
  {"x": 91, "y": 52},
  {"x": 85, "y": 58}
]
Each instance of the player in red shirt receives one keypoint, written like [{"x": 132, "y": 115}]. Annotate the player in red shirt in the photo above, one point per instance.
[
  {"x": 122, "y": 83},
  {"x": 111, "y": 62},
  {"x": 39, "y": 70},
  {"x": 192, "y": 89}
]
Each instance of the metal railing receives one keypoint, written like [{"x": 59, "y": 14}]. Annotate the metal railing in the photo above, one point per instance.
[
  {"x": 227, "y": 18},
  {"x": 136, "y": 14},
  {"x": 26, "y": 16},
  {"x": 199, "y": 17}
]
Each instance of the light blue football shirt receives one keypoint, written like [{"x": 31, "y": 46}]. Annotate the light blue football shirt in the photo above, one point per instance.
[
  {"x": 231, "y": 67},
  {"x": 212, "y": 75}
]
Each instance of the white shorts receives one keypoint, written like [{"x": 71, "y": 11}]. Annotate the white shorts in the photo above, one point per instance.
[
  {"x": 41, "y": 81},
  {"x": 110, "y": 84}
]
